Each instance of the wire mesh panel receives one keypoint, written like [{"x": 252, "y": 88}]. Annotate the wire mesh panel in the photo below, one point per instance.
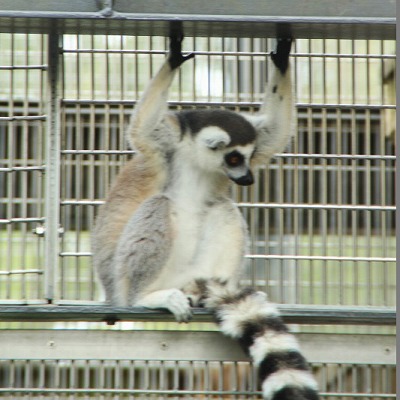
[
  {"x": 22, "y": 143},
  {"x": 321, "y": 232},
  {"x": 182, "y": 365},
  {"x": 128, "y": 379},
  {"x": 321, "y": 216}
]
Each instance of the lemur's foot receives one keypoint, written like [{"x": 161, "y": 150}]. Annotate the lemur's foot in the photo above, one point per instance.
[
  {"x": 280, "y": 56},
  {"x": 176, "y": 58}
]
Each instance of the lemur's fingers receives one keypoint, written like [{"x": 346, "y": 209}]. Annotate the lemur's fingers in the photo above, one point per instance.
[
  {"x": 178, "y": 304},
  {"x": 280, "y": 56},
  {"x": 176, "y": 58}
]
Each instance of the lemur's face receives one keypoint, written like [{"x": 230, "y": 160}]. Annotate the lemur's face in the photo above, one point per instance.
[
  {"x": 224, "y": 142},
  {"x": 215, "y": 153}
]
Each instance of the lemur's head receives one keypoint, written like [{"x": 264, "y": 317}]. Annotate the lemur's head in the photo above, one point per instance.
[{"x": 224, "y": 142}]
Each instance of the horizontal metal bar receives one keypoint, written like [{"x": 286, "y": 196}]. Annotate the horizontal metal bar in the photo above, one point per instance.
[
  {"x": 369, "y": 157},
  {"x": 320, "y": 258},
  {"x": 76, "y": 254},
  {"x": 284, "y": 206},
  {"x": 380, "y": 157},
  {"x": 160, "y": 392},
  {"x": 22, "y": 67},
  {"x": 357, "y": 9},
  {"x": 180, "y": 393},
  {"x": 345, "y": 106},
  {"x": 184, "y": 345},
  {"x": 239, "y": 104},
  {"x": 360, "y": 19},
  {"x": 229, "y": 53},
  {"x": 82, "y": 202},
  {"x": 118, "y": 391},
  {"x": 21, "y": 220},
  {"x": 97, "y": 152},
  {"x": 295, "y": 314},
  {"x": 288, "y": 206},
  {"x": 36, "y": 302},
  {"x": 24, "y": 118},
  {"x": 275, "y": 257},
  {"x": 22, "y": 272},
  {"x": 22, "y": 169}
]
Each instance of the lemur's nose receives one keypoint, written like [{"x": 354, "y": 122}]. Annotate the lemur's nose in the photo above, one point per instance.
[{"x": 245, "y": 180}]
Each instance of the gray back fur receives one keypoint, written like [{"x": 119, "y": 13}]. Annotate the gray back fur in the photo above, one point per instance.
[{"x": 144, "y": 247}]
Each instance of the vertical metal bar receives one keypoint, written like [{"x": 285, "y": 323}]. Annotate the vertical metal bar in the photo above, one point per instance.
[
  {"x": 353, "y": 170},
  {"x": 310, "y": 175},
  {"x": 209, "y": 75},
  {"x": 86, "y": 376},
  {"x": 66, "y": 167},
  {"x": 323, "y": 213},
  {"x": 298, "y": 147},
  {"x": 308, "y": 197},
  {"x": 297, "y": 225},
  {"x": 131, "y": 375},
  {"x": 223, "y": 69},
  {"x": 384, "y": 196},
  {"x": 52, "y": 185},
  {"x": 367, "y": 185},
  {"x": 10, "y": 188},
  {"x": 27, "y": 376},
  {"x": 57, "y": 375},
  {"x": 93, "y": 160},
  {"x": 24, "y": 182},
  {"x": 79, "y": 140},
  {"x": 42, "y": 374},
  {"x": 40, "y": 154}
]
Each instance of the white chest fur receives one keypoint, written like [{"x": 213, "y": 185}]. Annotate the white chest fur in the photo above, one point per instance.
[{"x": 208, "y": 234}]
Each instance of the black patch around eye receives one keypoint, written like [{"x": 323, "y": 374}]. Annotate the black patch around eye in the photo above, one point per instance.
[{"x": 234, "y": 159}]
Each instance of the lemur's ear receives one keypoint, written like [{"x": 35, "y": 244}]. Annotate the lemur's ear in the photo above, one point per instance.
[
  {"x": 214, "y": 138},
  {"x": 216, "y": 145}
]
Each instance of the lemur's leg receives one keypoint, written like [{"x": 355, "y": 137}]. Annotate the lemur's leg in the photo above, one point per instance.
[
  {"x": 152, "y": 107},
  {"x": 141, "y": 256},
  {"x": 274, "y": 122}
]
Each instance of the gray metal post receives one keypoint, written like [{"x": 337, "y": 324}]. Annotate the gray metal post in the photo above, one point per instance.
[{"x": 53, "y": 147}]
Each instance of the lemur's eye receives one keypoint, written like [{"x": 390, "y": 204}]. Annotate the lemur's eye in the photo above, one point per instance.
[{"x": 234, "y": 159}]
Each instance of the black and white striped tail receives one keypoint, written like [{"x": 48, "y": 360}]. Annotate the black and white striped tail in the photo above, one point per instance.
[{"x": 255, "y": 323}]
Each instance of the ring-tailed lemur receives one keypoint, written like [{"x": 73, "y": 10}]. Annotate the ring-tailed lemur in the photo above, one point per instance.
[{"x": 168, "y": 234}]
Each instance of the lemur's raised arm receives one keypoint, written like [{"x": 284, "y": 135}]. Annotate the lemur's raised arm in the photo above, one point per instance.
[
  {"x": 274, "y": 121},
  {"x": 151, "y": 112}
]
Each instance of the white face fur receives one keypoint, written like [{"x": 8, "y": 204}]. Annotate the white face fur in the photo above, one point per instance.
[{"x": 214, "y": 154}]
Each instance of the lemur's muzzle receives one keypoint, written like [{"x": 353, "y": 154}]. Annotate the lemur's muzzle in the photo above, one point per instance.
[{"x": 244, "y": 180}]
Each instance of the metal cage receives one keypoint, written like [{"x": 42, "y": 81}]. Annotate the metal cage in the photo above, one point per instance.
[{"x": 321, "y": 216}]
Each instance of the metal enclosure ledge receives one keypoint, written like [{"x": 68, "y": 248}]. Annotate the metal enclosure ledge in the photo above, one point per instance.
[
  {"x": 183, "y": 345},
  {"x": 101, "y": 313},
  {"x": 355, "y": 19}
]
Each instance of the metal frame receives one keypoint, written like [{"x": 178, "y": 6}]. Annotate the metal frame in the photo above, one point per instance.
[
  {"x": 56, "y": 363},
  {"x": 292, "y": 314},
  {"x": 52, "y": 200},
  {"x": 30, "y": 356},
  {"x": 187, "y": 345},
  {"x": 361, "y": 19}
]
